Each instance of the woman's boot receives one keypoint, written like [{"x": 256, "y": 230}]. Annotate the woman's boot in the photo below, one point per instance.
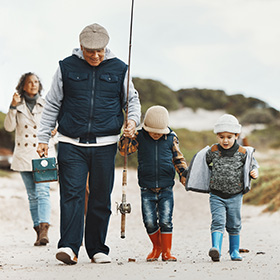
[
  {"x": 37, "y": 242},
  {"x": 155, "y": 238},
  {"x": 43, "y": 237},
  {"x": 166, "y": 242}
]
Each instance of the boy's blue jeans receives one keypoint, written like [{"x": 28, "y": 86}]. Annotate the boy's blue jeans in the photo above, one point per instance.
[
  {"x": 157, "y": 209},
  {"x": 39, "y": 199},
  {"x": 226, "y": 213},
  {"x": 75, "y": 163}
]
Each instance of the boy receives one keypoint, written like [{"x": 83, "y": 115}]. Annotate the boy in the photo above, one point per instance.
[
  {"x": 225, "y": 171},
  {"x": 158, "y": 154}
]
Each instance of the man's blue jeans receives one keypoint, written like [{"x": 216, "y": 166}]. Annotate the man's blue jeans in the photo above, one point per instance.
[
  {"x": 226, "y": 213},
  {"x": 75, "y": 163},
  {"x": 39, "y": 199},
  {"x": 157, "y": 209}
]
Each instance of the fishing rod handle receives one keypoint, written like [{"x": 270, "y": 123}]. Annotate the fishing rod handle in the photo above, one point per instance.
[
  {"x": 124, "y": 178},
  {"x": 123, "y": 226}
]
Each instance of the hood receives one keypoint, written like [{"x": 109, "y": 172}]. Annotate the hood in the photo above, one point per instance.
[{"x": 108, "y": 54}]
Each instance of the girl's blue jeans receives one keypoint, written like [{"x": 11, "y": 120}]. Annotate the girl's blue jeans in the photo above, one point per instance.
[
  {"x": 226, "y": 213},
  {"x": 157, "y": 209},
  {"x": 39, "y": 199}
]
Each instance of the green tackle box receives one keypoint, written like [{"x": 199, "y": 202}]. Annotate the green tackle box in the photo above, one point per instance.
[{"x": 44, "y": 170}]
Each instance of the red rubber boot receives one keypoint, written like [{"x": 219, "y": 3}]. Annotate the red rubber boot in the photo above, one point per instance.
[
  {"x": 156, "y": 240},
  {"x": 166, "y": 242}
]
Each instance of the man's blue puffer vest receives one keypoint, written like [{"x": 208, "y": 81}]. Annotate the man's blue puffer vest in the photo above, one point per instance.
[
  {"x": 155, "y": 169},
  {"x": 92, "y": 100}
]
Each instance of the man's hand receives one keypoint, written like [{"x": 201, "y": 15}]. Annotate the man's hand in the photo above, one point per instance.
[
  {"x": 42, "y": 149},
  {"x": 129, "y": 130}
]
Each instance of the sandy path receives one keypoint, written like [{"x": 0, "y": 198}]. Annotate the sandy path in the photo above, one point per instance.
[{"x": 19, "y": 259}]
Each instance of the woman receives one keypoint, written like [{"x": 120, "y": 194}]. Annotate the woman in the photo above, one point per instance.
[{"x": 24, "y": 117}]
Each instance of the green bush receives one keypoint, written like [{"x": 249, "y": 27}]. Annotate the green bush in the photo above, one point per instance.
[
  {"x": 266, "y": 189},
  {"x": 153, "y": 92},
  {"x": 7, "y": 138},
  {"x": 252, "y": 116},
  {"x": 202, "y": 98},
  {"x": 265, "y": 138}
]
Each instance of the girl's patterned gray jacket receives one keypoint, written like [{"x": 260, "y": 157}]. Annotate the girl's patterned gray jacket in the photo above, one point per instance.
[{"x": 199, "y": 173}]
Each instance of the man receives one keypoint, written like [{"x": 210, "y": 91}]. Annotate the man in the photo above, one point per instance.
[{"x": 87, "y": 98}]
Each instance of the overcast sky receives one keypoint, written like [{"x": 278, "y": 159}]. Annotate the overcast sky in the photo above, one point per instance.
[{"x": 231, "y": 45}]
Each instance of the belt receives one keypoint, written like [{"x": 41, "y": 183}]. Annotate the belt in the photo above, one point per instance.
[
  {"x": 156, "y": 190},
  {"x": 87, "y": 140}
]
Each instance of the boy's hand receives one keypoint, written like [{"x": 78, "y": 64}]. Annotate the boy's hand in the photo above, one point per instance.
[
  {"x": 254, "y": 174},
  {"x": 183, "y": 180}
]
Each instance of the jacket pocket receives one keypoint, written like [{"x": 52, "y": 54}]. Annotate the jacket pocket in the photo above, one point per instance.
[
  {"x": 76, "y": 81},
  {"x": 109, "y": 85},
  {"x": 77, "y": 77},
  {"x": 109, "y": 78}
]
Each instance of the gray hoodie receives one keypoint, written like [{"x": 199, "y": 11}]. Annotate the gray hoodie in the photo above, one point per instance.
[{"x": 198, "y": 175}]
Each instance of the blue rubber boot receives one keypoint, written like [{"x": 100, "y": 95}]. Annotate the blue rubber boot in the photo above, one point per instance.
[
  {"x": 234, "y": 241},
  {"x": 215, "y": 251}
]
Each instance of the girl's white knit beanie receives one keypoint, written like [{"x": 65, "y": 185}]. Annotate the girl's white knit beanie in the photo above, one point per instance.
[{"x": 227, "y": 123}]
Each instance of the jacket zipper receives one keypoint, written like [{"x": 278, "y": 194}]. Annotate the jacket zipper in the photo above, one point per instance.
[
  {"x": 91, "y": 105},
  {"x": 156, "y": 164}
]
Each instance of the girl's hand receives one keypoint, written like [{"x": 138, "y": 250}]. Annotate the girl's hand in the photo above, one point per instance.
[
  {"x": 42, "y": 150},
  {"x": 254, "y": 174},
  {"x": 16, "y": 99}
]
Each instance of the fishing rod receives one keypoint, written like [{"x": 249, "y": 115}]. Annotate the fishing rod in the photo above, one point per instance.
[{"x": 125, "y": 207}]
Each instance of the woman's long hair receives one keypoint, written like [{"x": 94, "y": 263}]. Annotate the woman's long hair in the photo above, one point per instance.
[{"x": 22, "y": 80}]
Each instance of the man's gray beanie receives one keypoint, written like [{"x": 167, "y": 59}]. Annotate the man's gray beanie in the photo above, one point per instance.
[{"x": 227, "y": 123}]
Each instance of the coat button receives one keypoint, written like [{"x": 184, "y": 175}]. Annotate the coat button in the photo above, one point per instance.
[
  {"x": 35, "y": 126},
  {"x": 26, "y": 126},
  {"x": 26, "y": 135},
  {"x": 34, "y": 145},
  {"x": 26, "y": 144},
  {"x": 34, "y": 135},
  {"x": 18, "y": 144}
]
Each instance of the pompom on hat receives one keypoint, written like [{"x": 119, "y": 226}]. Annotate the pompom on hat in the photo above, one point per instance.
[
  {"x": 227, "y": 123},
  {"x": 156, "y": 120},
  {"x": 94, "y": 37}
]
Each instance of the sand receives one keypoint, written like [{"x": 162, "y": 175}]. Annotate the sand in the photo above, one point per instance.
[{"x": 19, "y": 259}]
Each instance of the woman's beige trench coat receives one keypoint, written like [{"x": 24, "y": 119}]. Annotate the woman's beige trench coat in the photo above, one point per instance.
[{"x": 26, "y": 125}]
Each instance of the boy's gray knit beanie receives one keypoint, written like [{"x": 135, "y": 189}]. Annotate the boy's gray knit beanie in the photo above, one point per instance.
[
  {"x": 227, "y": 123},
  {"x": 156, "y": 120}
]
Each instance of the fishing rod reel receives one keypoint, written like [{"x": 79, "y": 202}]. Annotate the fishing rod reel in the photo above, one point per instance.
[{"x": 124, "y": 208}]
